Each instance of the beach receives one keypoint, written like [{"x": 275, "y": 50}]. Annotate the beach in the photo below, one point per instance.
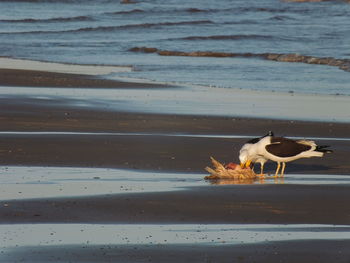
[
  {"x": 110, "y": 113},
  {"x": 70, "y": 171}
]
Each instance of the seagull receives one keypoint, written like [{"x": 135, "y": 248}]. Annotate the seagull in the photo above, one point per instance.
[
  {"x": 283, "y": 150},
  {"x": 248, "y": 153}
]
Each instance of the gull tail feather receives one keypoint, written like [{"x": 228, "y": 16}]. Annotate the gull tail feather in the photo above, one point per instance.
[{"x": 323, "y": 149}]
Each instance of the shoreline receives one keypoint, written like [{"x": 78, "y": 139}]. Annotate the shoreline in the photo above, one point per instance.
[
  {"x": 55, "y": 67},
  {"x": 104, "y": 93}
]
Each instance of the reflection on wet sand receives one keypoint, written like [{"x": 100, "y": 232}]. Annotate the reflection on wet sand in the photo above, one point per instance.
[
  {"x": 43, "y": 182},
  {"x": 259, "y": 180},
  {"x": 231, "y": 181}
]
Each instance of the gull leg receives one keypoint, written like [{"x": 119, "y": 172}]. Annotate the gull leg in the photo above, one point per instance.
[
  {"x": 283, "y": 167},
  {"x": 278, "y": 169},
  {"x": 262, "y": 169}
]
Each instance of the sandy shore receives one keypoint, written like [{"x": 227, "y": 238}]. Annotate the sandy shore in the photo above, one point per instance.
[{"x": 38, "y": 132}]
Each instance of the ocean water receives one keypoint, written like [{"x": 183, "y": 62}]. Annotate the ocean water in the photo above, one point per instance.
[{"x": 236, "y": 36}]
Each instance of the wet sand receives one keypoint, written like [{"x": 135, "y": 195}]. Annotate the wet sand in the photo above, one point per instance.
[
  {"x": 35, "y": 78},
  {"x": 152, "y": 142},
  {"x": 249, "y": 204},
  {"x": 148, "y": 141},
  {"x": 285, "y": 251}
]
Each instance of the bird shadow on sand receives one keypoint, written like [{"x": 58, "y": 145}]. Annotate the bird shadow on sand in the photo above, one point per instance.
[{"x": 295, "y": 168}]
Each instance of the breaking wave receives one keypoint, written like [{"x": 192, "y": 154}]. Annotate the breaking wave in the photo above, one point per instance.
[
  {"x": 49, "y": 1},
  {"x": 48, "y": 20},
  {"x": 343, "y": 64},
  {"x": 145, "y": 25},
  {"x": 187, "y": 10},
  {"x": 113, "y": 28},
  {"x": 281, "y": 18},
  {"x": 209, "y": 10},
  {"x": 133, "y": 11},
  {"x": 228, "y": 37}
]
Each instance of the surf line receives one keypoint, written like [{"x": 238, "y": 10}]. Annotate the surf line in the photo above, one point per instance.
[{"x": 223, "y": 136}]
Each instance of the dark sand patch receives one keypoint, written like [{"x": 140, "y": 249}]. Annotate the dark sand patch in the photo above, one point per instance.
[
  {"x": 147, "y": 152},
  {"x": 162, "y": 153},
  {"x": 258, "y": 204},
  {"x": 36, "y": 78}
]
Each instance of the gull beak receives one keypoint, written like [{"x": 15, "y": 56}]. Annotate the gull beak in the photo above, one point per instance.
[
  {"x": 248, "y": 163},
  {"x": 243, "y": 165}
]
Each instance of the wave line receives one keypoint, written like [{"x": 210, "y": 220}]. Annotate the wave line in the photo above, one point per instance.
[
  {"x": 48, "y": 20},
  {"x": 343, "y": 64},
  {"x": 113, "y": 28}
]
